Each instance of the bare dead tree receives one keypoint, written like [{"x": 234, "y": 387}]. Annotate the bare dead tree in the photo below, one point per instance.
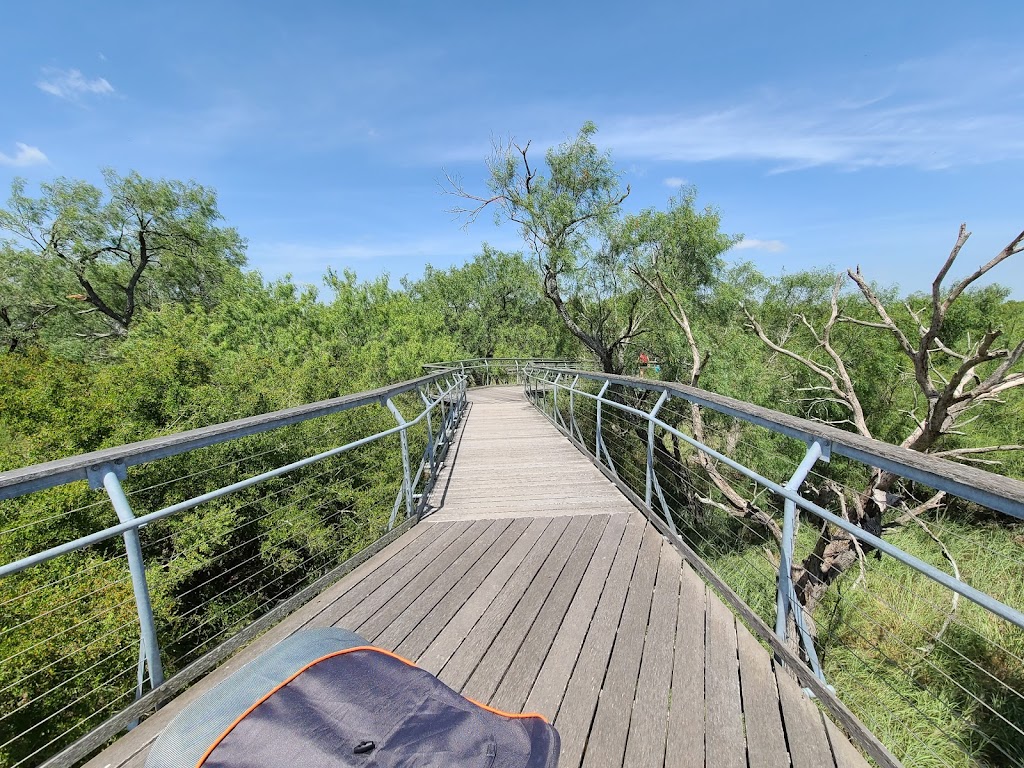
[{"x": 945, "y": 403}]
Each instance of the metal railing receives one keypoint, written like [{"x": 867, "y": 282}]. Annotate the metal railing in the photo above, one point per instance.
[
  {"x": 225, "y": 529},
  {"x": 491, "y": 371},
  {"x": 756, "y": 504},
  {"x": 132, "y": 571}
]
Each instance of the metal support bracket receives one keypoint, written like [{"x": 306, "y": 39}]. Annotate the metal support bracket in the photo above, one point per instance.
[
  {"x": 406, "y": 469},
  {"x": 652, "y": 478},
  {"x": 786, "y": 601},
  {"x": 109, "y": 477}
]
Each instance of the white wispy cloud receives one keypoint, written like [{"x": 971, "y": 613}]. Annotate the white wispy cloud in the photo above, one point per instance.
[
  {"x": 753, "y": 244},
  {"x": 944, "y": 111},
  {"x": 24, "y": 156},
  {"x": 674, "y": 182},
  {"x": 72, "y": 85}
]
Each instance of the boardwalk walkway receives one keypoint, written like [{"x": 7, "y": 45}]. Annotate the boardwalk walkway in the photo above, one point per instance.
[{"x": 531, "y": 594}]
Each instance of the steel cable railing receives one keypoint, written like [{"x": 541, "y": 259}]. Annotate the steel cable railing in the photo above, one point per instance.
[
  {"x": 937, "y": 676},
  {"x": 216, "y": 532}
]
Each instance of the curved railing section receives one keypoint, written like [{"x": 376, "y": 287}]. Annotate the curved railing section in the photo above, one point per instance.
[
  {"x": 889, "y": 580},
  {"x": 131, "y": 571}
]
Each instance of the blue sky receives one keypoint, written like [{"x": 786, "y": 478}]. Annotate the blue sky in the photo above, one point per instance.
[{"x": 828, "y": 134}]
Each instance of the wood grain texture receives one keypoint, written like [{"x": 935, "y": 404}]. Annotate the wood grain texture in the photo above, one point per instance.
[
  {"x": 685, "y": 742},
  {"x": 766, "y": 741},
  {"x": 724, "y": 741},
  {"x": 426, "y": 631},
  {"x": 522, "y": 672},
  {"x": 648, "y": 727},
  {"x": 511, "y": 463},
  {"x": 506, "y": 616},
  {"x": 458, "y": 628},
  {"x": 845, "y": 754},
  {"x": 607, "y": 741},
  {"x": 805, "y": 730},
  {"x": 422, "y": 590},
  {"x": 576, "y": 712},
  {"x": 548, "y": 688},
  {"x": 494, "y": 666}
]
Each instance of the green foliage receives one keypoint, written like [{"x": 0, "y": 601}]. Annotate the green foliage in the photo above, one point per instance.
[
  {"x": 90, "y": 262},
  {"x": 493, "y": 307}
]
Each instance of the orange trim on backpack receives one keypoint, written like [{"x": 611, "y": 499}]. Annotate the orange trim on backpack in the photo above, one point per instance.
[{"x": 313, "y": 663}]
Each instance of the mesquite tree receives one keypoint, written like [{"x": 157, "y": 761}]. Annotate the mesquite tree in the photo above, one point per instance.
[
  {"x": 566, "y": 210},
  {"x": 104, "y": 256}
]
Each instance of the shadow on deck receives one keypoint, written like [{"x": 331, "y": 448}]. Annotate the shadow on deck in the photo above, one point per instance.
[{"x": 535, "y": 586}]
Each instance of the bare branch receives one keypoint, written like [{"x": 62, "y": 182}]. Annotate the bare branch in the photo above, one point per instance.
[
  {"x": 971, "y": 451},
  {"x": 956, "y": 596}
]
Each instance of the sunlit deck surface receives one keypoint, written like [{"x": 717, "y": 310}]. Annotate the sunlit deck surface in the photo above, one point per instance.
[{"x": 535, "y": 586}]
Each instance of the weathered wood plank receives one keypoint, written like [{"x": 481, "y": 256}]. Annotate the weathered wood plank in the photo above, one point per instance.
[
  {"x": 542, "y": 679},
  {"x": 391, "y": 573},
  {"x": 416, "y": 598},
  {"x": 496, "y": 665},
  {"x": 648, "y": 727},
  {"x": 1001, "y": 492},
  {"x": 845, "y": 754},
  {"x": 534, "y": 577},
  {"x": 606, "y": 744},
  {"x": 451, "y": 637},
  {"x": 577, "y": 708},
  {"x": 766, "y": 741},
  {"x": 805, "y": 731},
  {"x": 685, "y": 743},
  {"x": 724, "y": 742},
  {"x": 426, "y": 631}
]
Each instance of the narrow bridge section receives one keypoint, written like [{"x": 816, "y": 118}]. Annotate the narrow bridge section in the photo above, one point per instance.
[
  {"x": 531, "y": 595},
  {"x": 509, "y": 462}
]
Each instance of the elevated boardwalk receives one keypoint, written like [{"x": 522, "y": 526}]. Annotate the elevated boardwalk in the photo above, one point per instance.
[{"x": 533, "y": 585}]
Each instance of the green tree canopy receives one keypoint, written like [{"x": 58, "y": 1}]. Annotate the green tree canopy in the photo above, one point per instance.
[{"x": 96, "y": 258}]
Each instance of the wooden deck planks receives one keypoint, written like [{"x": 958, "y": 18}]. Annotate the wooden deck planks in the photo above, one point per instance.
[
  {"x": 571, "y": 602},
  {"x": 724, "y": 743},
  {"x": 511, "y": 463},
  {"x": 685, "y": 742},
  {"x": 505, "y": 617},
  {"x": 607, "y": 742},
  {"x": 556, "y": 574},
  {"x": 584, "y": 688},
  {"x": 400, "y": 614},
  {"x": 542, "y": 595},
  {"x": 805, "y": 730},
  {"x": 415, "y": 641},
  {"x": 455, "y": 631},
  {"x": 648, "y": 727},
  {"x": 766, "y": 741}
]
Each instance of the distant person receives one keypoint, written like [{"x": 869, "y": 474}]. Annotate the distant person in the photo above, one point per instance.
[{"x": 644, "y": 362}]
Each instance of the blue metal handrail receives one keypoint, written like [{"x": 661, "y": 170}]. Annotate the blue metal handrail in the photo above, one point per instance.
[
  {"x": 442, "y": 396},
  {"x": 547, "y": 388},
  {"x": 942, "y": 474}
]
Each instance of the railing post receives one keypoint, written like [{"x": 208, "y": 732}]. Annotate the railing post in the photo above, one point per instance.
[
  {"x": 597, "y": 429},
  {"x": 554, "y": 398},
  {"x": 785, "y": 597},
  {"x": 108, "y": 477},
  {"x": 430, "y": 430},
  {"x": 406, "y": 470},
  {"x": 649, "y": 494},
  {"x": 572, "y": 408}
]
